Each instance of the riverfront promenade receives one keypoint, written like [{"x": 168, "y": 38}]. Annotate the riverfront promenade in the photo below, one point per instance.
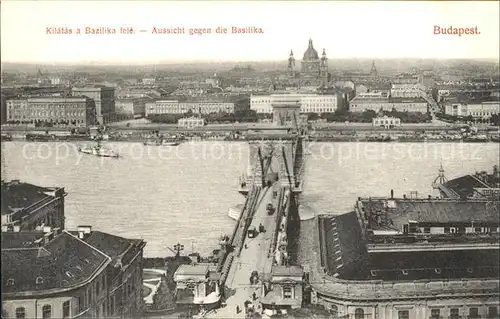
[{"x": 255, "y": 257}]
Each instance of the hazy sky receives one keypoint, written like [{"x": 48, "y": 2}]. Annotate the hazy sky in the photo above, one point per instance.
[{"x": 345, "y": 29}]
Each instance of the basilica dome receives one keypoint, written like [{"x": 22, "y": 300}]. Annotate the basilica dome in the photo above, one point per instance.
[{"x": 311, "y": 53}]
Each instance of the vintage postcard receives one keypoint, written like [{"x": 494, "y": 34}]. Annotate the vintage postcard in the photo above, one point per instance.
[{"x": 260, "y": 159}]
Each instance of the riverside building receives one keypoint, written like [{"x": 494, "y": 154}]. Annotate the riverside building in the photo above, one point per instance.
[
  {"x": 483, "y": 108},
  {"x": 405, "y": 258},
  {"x": 52, "y": 111},
  {"x": 310, "y": 103},
  {"x": 177, "y": 107},
  {"x": 380, "y": 101},
  {"x": 62, "y": 274},
  {"x": 27, "y": 207},
  {"x": 104, "y": 98}
]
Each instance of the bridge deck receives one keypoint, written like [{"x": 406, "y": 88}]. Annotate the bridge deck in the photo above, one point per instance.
[{"x": 254, "y": 257}]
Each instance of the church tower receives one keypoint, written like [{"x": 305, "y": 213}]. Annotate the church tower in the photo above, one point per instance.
[
  {"x": 373, "y": 71},
  {"x": 324, "y": 68},
  {"x": 291, "y": 65}
]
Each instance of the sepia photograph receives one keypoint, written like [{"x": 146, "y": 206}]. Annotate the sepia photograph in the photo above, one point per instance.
[{"x": 250, "y": 159}]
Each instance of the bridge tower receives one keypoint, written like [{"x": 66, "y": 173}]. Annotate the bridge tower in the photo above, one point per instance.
[{"x": 286, "y": 111}]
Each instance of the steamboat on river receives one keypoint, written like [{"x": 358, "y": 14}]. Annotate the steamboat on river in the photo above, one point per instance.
[{"x": 98, "y": 150}]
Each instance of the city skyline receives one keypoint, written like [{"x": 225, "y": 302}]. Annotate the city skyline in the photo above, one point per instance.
[{"x": 404, "y": 29}]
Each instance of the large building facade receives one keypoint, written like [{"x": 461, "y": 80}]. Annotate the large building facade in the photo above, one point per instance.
[
  {"x": 130, "y": 108},
  {"x": 310, "y": 103},
  {"x": 61, "y": 274},
  {"x": 104, "y": 98},
  {"x": 53, "y": 111},
  {"x": 380, "y": 101},
  {"x": 476, "y": 109},
  {"x": 405, "y": 259},
  {"x": 407, "y": 90},
  {"x": 27, "y": 207},
  {"x": 176, "y": 107},
  {"x": 313, "y": 69}
]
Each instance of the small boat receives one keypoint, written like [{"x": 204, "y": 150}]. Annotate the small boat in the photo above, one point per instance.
[
  {"x": 151, "y": 142},
  {"x": 172, "y": 143},
  {"x": 6, "y": 137},
  {"x": 98, "y": 150},
  {"x": 40, "y": 137},
  {"x": 162, "y": 142}
]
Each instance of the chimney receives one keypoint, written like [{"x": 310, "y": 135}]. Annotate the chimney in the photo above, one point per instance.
[
  {"x": 84, "y": 231},
  {"x": 392, "y": 194}
]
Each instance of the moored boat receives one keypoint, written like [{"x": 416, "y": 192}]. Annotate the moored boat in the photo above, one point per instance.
[
  {"x": 170, "y": 143},
  {"x": 6, "y": 137},
  {"x": 162, "y": 142}
]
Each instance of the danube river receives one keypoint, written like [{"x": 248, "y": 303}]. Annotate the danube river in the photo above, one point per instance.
[{"x": 170, "y": 195}]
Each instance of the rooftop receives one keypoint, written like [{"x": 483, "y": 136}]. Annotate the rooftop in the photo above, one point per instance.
[
  {"x": 462, "y": 187},
  {"x": 466, "y": 99},
  {"x": 378, "y": 99},
  {"x": 192, "y": 270},
  {"x": 287, "y": 271},
  {"x": 344, "y": 255},
  {"x": 23, "y": 239},
  {"x": 342, "y": 244},
  {"x": 394, "y": 213},
  {"x": 17, "y": 195},
  {"x": 121, "y": 250},
  {"x": 65, "y": 262}
]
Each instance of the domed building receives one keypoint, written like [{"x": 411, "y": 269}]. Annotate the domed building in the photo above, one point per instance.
[{"x": 313, "y": 70}]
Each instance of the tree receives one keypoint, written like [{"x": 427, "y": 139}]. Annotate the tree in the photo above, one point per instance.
[{"x": 312, "y": 116}]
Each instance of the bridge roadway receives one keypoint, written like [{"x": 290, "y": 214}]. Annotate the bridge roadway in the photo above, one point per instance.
[{"x": 255, "y": 257}]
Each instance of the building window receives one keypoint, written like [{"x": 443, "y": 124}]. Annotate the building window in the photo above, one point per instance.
[
  {"x": 404, "y": 314},
  {"x": 80, "y": 303},
  {"x": 20, "y": 313},
  {"x": 447, "y": 230},
  {"x": 66, "y": 309},
  {"x": 454, "y": 313},
  {"x": 435, "y": 313},
  {"x": 473, "y": 313},
  {"x": 359, "y": 313},
  {"x": 47, "y": 312},
  {"x": 287, "y": 292},
  {"x": 427, "y": 229},
  {"x": 492, "y": 312},
  {"x": 477, "y": 229}
]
